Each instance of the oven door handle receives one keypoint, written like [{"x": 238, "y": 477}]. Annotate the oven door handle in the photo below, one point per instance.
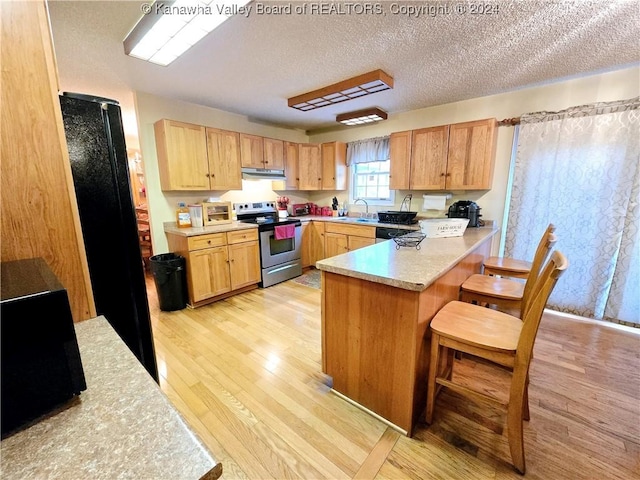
[{"x": 280, "y": 269}]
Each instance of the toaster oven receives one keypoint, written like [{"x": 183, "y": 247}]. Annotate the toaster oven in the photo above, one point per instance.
[{"x": 299, "y": 209}]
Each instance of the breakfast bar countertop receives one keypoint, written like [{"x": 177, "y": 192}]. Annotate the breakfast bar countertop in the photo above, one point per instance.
[
  {"x": 122, "y": 426},
  {"x": 407, "y": 267}
]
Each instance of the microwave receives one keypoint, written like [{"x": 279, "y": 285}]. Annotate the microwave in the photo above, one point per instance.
[{"x": 41, "y": 368}]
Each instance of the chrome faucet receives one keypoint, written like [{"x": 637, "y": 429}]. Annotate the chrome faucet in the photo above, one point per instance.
[{"x": 366, "y": 205}]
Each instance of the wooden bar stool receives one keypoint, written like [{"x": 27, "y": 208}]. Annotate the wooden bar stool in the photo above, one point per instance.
[
  {"x": 501, "y": 339},
  {"x": 507, "y": 294},
  {"x": 512, "y": 267}
]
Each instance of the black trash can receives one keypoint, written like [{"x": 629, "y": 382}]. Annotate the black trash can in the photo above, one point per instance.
[{"x": 170, "y": 277}]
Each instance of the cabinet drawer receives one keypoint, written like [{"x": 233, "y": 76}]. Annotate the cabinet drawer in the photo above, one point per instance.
[
  {"x": 206, "y": 241},
  {"x": 239, "y": 236},
  {"x": 346, "y": 229}
]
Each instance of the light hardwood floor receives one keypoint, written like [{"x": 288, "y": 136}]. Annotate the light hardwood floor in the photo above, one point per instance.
[{"x": 245, "y": 374}]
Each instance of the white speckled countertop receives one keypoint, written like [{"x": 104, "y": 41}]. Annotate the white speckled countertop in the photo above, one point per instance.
[
  {"x": 171, "y": 227},
  {"x": 407, "y": 267},
  {"x": 122, "y": 426}
]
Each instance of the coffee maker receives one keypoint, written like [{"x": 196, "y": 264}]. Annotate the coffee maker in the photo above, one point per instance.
[{"x": 466, "y": 209}]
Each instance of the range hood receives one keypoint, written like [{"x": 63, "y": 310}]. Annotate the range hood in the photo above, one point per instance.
[{"x": 262, "y": 174}]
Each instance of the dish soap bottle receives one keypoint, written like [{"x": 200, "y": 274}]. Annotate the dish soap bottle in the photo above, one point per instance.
[{"x": 183, "y": 218}]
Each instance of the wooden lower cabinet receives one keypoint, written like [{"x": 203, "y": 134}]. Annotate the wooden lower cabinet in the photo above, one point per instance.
[
  {"x": 313, "y": 243},
  {"x": 220, "y": 264},
  {"x": 209, "y": 273},
  {"x": 343, "y": 238},
  {"x": 335, "y": 244},
  {"x": 244, "y": 264}
]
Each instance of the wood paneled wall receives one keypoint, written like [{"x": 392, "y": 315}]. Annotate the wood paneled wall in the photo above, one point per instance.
[{"x": 39, "y": 216}]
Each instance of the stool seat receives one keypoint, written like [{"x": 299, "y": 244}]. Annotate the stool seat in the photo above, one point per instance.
[
  {"x": 507, "y": 267},
  {"x": 508, "y": 294},
  {"x": 486, "y": 328}
]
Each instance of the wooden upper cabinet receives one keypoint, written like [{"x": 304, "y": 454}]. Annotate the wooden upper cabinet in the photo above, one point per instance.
[
  {"x": 223, "y": 150},
  {"x": 251, "y": 151},
  {"x": 273, "y": 153},
  {"x": 429, "y": 158},
  {"x": 182, "y": 155},
  {"x": 400, "y": 156},
  {"x": 291, "y": 172},
  {"x": 334, "y": 167},
  {"x": 309, "y": 167},
  {"x": 471, "y": 154}
]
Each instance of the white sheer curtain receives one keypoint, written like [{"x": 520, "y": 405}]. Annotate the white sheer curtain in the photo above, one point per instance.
[
  {"x": 580, "y": 169},
  {"x": 367, "y": 151}
]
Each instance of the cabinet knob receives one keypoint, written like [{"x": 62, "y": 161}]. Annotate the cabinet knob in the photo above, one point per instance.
[
  {"x": 442, "y": 174},
  {"x": 207, "y": 175},
  {"x": 209, "y": 242},
  {"x": 448, "y": 175}
]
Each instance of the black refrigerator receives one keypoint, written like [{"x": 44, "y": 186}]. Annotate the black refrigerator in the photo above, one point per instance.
[{"x": 98, "y": 154}]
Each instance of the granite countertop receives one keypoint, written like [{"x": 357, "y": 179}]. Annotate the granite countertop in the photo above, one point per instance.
[
  {"x": 407, "y": 267},
  {"x": 371, "y": 222},
  {"x": 171, "y": 227},
  {"x": 122, "y": 426}
]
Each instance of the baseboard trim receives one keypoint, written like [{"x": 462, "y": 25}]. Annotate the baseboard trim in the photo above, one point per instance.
[{"x": 592, "y": 321}]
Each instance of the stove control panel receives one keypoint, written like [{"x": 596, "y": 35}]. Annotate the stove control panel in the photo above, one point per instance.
[{"x": 254, "y": 207}]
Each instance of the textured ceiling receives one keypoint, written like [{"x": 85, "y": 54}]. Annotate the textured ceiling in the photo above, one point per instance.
[{"x": 252, "y": 65}]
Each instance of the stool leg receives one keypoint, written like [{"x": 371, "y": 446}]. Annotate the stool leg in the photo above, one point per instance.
[{"x": 433, "y": 371}]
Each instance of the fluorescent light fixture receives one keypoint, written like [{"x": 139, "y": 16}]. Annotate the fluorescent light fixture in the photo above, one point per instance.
[
  {"x": 355, "y": 87},
  {"x": 168, "y": 29},
  {"x": 361, "y": 117}
]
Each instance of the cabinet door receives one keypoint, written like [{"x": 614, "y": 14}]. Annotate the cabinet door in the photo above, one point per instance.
[
  {"x": 291, "y": 166},
  {"x": 310, "y": 167},
  {"x": 400, "y": 155},
  {"x": 355, "y": 243},
  {"x": 317, "y": 244},
  {"x": 208, "y": 273},
  {"x": 335, "y": 244},
  {"x": 334, "y": 167},
  {"x": 244, "y": 264},
  {"x": 273, "y": 153},
  {"x": 429, "y": 158},
  {"x": 223, "y": 148},
  {"x": 471, "y": 155},
  {"x": 306, "y": 250},
  {"x": 251, "y": 151},
  {"x": 182, "y": 156}
]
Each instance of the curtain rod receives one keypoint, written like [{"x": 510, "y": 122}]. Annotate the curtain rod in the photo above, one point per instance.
[{"x": 509, "y": 122}]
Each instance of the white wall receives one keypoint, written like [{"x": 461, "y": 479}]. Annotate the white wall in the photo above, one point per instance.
[
  {"x": 610, "y": 86},
  {"x": 618, "y": 85},
  {"x": 162, "y": 205}
]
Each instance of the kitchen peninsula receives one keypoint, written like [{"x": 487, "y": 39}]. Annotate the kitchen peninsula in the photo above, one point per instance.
[{"x": 377, "y": 303}]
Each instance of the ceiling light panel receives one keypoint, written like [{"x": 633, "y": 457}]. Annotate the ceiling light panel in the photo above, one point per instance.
[
  {"x": 366, "y": 84},
  {"x": 362, "y": 117},
  {"x": 170, "y": 28}
]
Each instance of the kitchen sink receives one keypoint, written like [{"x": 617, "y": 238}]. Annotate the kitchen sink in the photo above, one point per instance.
[{"x": 362, "y": 220}]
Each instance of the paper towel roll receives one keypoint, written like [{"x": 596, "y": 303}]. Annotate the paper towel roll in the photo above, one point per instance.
[{"x": 434, "y": 202}]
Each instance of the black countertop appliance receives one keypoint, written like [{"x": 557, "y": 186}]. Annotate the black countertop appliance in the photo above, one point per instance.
[
  {"x": 466, "y": 209},
  {"x": 98, "y": 155}
]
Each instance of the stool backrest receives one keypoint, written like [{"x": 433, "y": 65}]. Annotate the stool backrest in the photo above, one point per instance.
[
  {"x": 539, "y": 295},
  {"x": 545, "y": 246}
]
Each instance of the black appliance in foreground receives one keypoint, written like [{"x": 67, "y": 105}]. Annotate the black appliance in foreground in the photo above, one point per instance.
[
  {"x": 466, "y": 209},
  {"x": 280, "y": 256},
  {"x": 41, "y": 367},
  {"x": 98, "y": 154}
]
